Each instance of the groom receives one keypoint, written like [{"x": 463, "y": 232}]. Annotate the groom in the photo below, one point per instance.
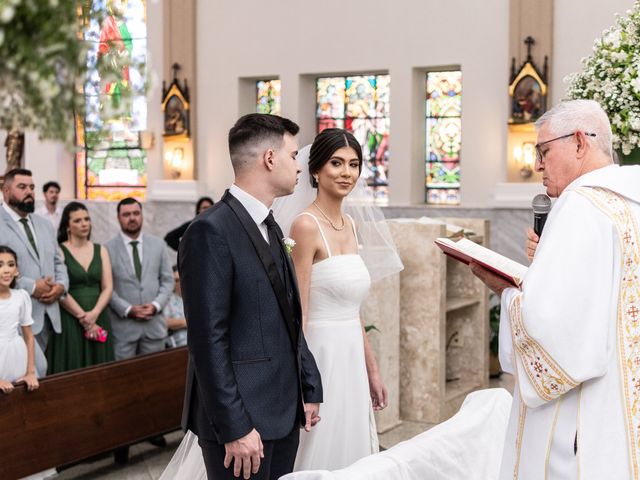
[{"x": 252, "y": 382}]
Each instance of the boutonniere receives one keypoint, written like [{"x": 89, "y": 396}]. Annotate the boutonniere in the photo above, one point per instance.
[{"x": 289, "y": 243}]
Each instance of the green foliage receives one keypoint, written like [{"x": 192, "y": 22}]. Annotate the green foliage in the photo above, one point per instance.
[
  {"x": 42, "y": 61},
  {"x": 43, "y": 68},
  {"x": 368, "y": 328}
]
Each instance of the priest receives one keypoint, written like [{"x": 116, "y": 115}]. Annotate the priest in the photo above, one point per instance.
[{"x": 571, "y": 335}]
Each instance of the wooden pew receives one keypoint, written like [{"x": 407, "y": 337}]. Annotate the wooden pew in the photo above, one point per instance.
[{"x": 79, "y": 414}]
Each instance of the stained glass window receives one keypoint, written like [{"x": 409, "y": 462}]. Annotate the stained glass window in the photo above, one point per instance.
[
  {"x": 444, "y": 137},
  {"x": 268, "y": 97},
  {"x": 111, "y": 163},
  {"x": 360, "y": 104}
]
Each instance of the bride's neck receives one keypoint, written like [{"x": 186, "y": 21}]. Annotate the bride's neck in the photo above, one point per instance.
[{"x": 330, "y": 205}]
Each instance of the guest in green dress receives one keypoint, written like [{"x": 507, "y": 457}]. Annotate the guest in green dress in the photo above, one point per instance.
[{"x": 83, "y": 315}]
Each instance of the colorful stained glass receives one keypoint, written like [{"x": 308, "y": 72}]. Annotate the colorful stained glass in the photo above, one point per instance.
[
  {"x": 360, "y": 104},
  {"x": 361, "y": 92},
  {"x": 330, "y": 97},
  {"x": 112, "y": 163},
  {"x": 444, "y": 94},
  {"x": 443, "y": 137},
  {"x": 268, "y": 96}
]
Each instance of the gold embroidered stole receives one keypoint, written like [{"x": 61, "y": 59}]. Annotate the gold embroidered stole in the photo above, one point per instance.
[
  {"x": 548, "y": 379},
  {"x": 628, "y": 321}
]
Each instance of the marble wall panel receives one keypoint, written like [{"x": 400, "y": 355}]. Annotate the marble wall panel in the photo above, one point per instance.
[{"x": 382, "y": 309}]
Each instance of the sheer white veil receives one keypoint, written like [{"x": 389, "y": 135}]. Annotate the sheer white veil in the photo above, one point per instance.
[{"x": 377, "y": 248}]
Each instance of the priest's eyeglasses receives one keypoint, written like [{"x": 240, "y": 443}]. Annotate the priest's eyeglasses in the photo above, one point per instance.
[{"x": 540, "y": 155}]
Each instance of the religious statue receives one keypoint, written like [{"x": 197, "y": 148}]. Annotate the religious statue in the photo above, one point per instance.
[{"x": 14, "y": 144}]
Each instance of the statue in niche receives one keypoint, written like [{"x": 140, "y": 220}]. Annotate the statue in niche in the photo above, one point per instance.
[
  {"x": 14, "y": 144},
  {"x": 175, "y": 105},
  {"x": 175, "y": 117},
  {"x": 527, "y": 100}
]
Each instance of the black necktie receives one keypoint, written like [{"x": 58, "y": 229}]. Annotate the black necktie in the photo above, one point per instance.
[
  {"x": 277, "y": 250},
  {"x": 29, "y": 233}
]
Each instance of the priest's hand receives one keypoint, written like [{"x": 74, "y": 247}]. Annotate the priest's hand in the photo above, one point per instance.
[
  {"x": 495, "y": 282},
  {"x": 532, "y": 244}
]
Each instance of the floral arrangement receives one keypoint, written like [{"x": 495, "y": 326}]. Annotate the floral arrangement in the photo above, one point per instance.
[{"x": 610, "y": 76}]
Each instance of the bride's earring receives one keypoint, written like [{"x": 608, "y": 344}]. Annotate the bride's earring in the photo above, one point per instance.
[{"x": 315, "y": 180}]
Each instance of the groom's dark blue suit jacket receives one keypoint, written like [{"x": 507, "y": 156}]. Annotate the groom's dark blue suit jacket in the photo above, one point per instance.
[{"x": 249, "y": 365}]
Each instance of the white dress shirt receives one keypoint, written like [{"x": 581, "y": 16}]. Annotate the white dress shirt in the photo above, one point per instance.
[
  {"x": 127, "y": 242},
  {"x": 54, "y": 217},
  {"x": 256, "y": 209}
]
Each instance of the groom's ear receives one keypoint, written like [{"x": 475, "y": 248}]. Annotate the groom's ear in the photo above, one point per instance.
[{"x": 267, "y": 158}]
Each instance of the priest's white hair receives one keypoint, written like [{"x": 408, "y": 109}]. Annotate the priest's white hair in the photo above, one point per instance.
[{"x": 579, "y": 115}]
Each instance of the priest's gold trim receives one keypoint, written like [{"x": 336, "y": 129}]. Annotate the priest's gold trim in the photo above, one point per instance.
[
  {"x": 628, "y": 318},
  {"x": 546, "y": 376},
  {"x": 552, "y": 432},
  {"x": 522, "y": 417}
]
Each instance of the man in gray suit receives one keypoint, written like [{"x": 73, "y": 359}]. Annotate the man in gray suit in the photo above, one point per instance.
[
  {"x": 142, "y": 285},
  {"x": 42, "y": 270}
]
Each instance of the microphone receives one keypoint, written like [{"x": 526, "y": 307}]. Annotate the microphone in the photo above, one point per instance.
[{"x": 541, "y": 205}]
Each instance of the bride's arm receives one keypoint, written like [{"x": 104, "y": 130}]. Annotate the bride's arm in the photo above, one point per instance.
[
  {"x": 305, "y": 233},
  {"x": 377, "y": 388}
]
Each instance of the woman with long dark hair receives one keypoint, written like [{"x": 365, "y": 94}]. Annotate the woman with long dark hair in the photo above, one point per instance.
[
  {"x": 85, "y": 338},
  {"x": 333, "y": 281}
]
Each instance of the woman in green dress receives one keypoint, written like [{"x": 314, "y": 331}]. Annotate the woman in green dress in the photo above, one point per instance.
[{"x": 84, "y": 313}]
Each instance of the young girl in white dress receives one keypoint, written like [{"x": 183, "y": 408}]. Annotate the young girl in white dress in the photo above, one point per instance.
[
  {"x": 17, "y": 353},
  {"x": 333, "y": 281}
]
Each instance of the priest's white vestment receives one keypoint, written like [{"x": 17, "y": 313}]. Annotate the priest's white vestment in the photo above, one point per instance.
[{"x": 572, "y": 338}]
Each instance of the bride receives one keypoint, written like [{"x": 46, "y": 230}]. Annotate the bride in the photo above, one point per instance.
[
  {"x": 341, "y": 246},
  {"x": 333, "y": 281}
]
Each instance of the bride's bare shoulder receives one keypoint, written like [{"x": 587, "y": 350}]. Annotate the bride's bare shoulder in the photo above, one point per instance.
[{"x": 304, "y": 225}]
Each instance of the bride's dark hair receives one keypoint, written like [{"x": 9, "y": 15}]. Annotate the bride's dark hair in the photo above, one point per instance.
[{"x": 325, "y": 145}]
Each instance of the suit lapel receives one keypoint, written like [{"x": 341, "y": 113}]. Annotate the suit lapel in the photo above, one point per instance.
[
  {"x": 124, "y": 257},
  {"x": 20, "y": 233},
  {"x": 38, "y": 233},
  {"x": 264, "y": 253},
  {"x": 146, "y": 250},
  {"x": 294, "y": 280}
]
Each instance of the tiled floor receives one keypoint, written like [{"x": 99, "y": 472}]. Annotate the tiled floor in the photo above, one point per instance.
[{"x": 147, "y": 462}]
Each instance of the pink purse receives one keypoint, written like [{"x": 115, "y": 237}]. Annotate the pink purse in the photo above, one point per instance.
[{"x": 101, "y": 337}]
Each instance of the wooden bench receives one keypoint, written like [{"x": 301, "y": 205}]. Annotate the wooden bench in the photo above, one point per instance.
[{"x": 82, "y": 413}]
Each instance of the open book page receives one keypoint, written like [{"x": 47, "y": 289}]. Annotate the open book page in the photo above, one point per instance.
[{"x": 466, "y": 251}]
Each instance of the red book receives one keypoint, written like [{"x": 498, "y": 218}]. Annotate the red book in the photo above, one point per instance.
[{"x": 466, "y": 251}]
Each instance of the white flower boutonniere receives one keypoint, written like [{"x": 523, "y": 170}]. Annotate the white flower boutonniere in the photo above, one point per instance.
[{"x": 289, "y": 243}]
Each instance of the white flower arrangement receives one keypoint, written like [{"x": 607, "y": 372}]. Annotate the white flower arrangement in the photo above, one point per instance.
[
  {"x": 289, "y": 243},
  {"x": 611, "y": 77}
]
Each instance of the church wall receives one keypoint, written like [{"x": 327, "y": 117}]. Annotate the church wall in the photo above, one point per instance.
[{"x": 238, "y": 42}]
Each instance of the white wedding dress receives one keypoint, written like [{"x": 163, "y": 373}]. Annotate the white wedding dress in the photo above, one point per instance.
[{"x": 347, "y": 431}]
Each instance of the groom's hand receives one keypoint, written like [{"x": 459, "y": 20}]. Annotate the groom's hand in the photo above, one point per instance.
[
  {"x": 246, "y": 453},
  {"x": 311, "y": 411}
]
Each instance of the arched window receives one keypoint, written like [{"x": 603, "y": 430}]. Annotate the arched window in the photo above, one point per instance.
[
  {"x": 360, "y": 104},
  {"x": 110, "y": 162}
]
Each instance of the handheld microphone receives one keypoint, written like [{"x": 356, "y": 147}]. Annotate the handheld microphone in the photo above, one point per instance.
[{"x": 541, "y": 205}]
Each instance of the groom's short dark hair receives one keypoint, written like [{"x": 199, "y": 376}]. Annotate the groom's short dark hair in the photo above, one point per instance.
[{"x": 252, "y": 130}]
